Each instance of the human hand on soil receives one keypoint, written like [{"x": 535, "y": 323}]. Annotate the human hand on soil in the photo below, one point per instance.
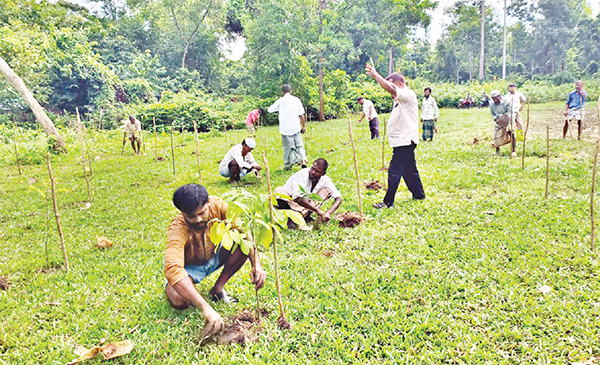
[
  {"x": 326, "y": 217},
  {"x": 258, "y": 276},
  {"x": 303, "y": 130},
  {"x": 214, "y": 323}
]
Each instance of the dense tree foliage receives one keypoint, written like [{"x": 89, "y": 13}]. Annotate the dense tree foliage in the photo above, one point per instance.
[{"x": 126, "y": 56}]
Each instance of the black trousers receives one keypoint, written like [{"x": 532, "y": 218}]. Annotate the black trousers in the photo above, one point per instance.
[
  {"x": 403, "y": 165},
  {"x": 374, "y": 127}
]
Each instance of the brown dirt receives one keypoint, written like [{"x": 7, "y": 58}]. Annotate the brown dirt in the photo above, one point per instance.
[
  {"x": 241, "y": 329},
  {"x": 283, "y": 324},
  {"x": 4, "y": 285},
  {"x": 160, "y": 158},
  {"x": 330, "y": 151},
  {"x": 50, "y": 269},
  {"x": 374, "y": 185},
  {"x": 349, "y": 219}
]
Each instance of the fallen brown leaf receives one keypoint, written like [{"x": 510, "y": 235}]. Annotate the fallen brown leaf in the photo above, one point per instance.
[
  {"x": 32, "y": 180},
  {"x": 4, "y": 284},
  {"x": 110, "y": 351},
  {"x": 135, "y": 183},
  {"x": 103, "y": 242}
]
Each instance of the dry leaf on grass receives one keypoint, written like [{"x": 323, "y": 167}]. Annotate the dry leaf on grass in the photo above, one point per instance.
[
  {"x": 4, "y": 285},
  {"x": 590, "y": 361},
  {"x": 374, "y": 185},
  {"x": 110, "y": 351},
  {"x": 490, "y": 212},
  {"x": 137, "y": 183},
  {"x": 349, "y": 219},
  {"x": 545, "y": 289},
  {"x": 32, "y": 180},
  {"x": 103, "y": 242}
]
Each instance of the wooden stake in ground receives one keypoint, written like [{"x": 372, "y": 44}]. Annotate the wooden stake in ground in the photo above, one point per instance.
[
  {"x": 525, "y": 137},
  {"x": 100, "y": 119},
  {"x": 87, "y": 180},
  {"x": 197, "y": 152},
  {"x": 283, "y": 323},
  {"x": 155, "y": 138},
  {"x": 226, "y": 138},
  {"x": 547, "y": 159},
  {"x": 16, "y": 150},
  {"x": 360, "y": 205},
  {"x": 172, "y": 149},
  {"x": 182, "y": 134},
  {"x": 56, "y": 215},
  {"x": 592, "y": 196}
]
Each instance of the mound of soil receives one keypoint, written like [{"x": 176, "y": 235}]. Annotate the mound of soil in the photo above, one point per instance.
[
  {"x": 283, "y": 324},
  {"x": 349, "y": 219},
  {"x": 241, "y": 329},
  {"x": 160, "y": 158},
  {"x": 374, "y": 185},
  {"x": 4, "y": 285}
]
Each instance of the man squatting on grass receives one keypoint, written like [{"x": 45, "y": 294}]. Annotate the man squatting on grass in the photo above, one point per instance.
[
  {"x": 132, "y": 128},
  {"x": 429, "y": 114},
  {"x": 312, "y": 180},
  {"x": 190, "y": 256},
  {"x": 503, "y": 128},
  {"x": 403, "y": 135},
  {"x": 238, "y": 162},
  {"x": 291, "y": 126},
  {"x": 371, "y": 114},
  {"x": 575, "y": 104}
]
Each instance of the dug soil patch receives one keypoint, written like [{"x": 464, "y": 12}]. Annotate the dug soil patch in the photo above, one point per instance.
[
  {"x": 242, "y": 329},
  {"x": 349, "y": 219},
  {"x": 4, "y": 285},
  {"x": 374, "y": 185}
]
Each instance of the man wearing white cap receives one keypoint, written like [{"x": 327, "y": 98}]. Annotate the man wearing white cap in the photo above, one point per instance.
[
  {"x": 503, "y": 128},
  {"x": 238, "y": 161}
]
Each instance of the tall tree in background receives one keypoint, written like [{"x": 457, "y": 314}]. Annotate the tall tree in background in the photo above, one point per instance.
[{"x": 482, "y": 46}]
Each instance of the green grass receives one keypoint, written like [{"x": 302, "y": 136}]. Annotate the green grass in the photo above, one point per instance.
[{"x": 451, "y": 279}]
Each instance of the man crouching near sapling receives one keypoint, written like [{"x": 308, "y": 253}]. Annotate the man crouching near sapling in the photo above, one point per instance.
[{"x": 190, "y": 256}]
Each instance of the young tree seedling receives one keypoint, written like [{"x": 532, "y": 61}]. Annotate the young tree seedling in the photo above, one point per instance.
[
  {"x": 197, "y": 153},
  {"x": 360, "y": 205},
  {"x": 87, "y": 180},
  {"x": 525, "y": 137},
  {"x": 547, "y": 159},
  {"x": 592, "y": 236},
  {"x": 56, "y": 214}
]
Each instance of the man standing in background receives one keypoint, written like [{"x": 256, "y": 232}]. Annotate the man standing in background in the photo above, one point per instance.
[
  {"x": 575, "y": 104},
  {"x": 292, "y": 125},
  {"x": 517, "y": 103},
  {"x": 429, "y": 114},
  {"x": 371, "y": 114},
  {"x": 133, "y": 127}
]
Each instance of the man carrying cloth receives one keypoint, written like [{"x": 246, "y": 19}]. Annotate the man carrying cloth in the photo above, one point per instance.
[
  {"x": 503, "y": 126},
  {"x": 310, "y": 180},
  {"x": 403, "y": 135},
  {"x": 517, "y": 103},
  {"x": 429, "y": 114},
  {"x": 371, "y": 114},
  {"x": 575, "y": 104},
  {"x": 291, "y": 126},
  {"x": 132, "y": 129},
  {"x": 190, "y": 256},
  {"x": 238, "y": 162}
]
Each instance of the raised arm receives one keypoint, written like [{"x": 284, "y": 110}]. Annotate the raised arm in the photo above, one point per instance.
[{"x": 386, "y": 85}]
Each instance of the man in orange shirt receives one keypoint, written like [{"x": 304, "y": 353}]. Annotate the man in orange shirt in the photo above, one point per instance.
[{"x": 190, "y": 256}]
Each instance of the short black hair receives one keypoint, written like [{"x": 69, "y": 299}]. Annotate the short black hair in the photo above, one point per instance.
[
  {"x": 427, "y": 88},
  {"x": 322, "y": 163},
  {"x": 188, "y": 198},
  {"x": 359, "y": 98},
  {"x": 286, "y": 88}
]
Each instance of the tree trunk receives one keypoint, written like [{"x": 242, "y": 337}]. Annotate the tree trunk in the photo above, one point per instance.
[
  {"x": 482, "y": 49},
  {"x": 36, "y": 108},
  {"x": 321, "y": 98},
  {"x": 470, "y": 65},
  {"x": 185, "y": 52}
]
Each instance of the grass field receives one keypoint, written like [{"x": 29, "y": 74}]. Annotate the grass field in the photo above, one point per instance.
[{"x": 452, "y": 279}]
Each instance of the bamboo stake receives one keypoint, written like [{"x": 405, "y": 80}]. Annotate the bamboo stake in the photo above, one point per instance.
[
  {"x": 100, "y": 119},
  {"x": 383, "y": 144},
  {"x": 592, "y": 196},
  {"x": 182, "y": 136},
  {"x": 360, "y": 204},
  {"x": 197, "y": 152},
  {"x": 525, "y": 137},
  {"x": 87, "y": 180},
  {"x": 155, "y": 138},
  {"x": 16, "y": 150},
  {"x": 56, "y": 215},
  {"x": 172, "y": 149},
  {"x": 226, "y": 137},
  {"x": 547, "y": 159},
  {"x": 143, "y": 137},
  {"x": 274, "y": 232}
]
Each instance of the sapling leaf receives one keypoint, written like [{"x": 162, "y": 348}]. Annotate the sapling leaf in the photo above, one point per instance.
[
  {"x": 283, "y": 196},
  {"x": 235, "y": 236},
  {"x": 242, "y": 206},
  {"x": 295, "y": 217},
  {"x": 246, "y": 246},
  {"x": 279, "y": 217},
  {"x": 265, "y": 236},
  {"x": 217, "y": 231},
  {"x": 227, "y": 241},
  {"x": 307, "y": 195}
]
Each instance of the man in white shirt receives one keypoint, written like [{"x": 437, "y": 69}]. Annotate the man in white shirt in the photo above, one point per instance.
[
  {"x": 238, "y": 161},
  {"x": 291, "y": 126},
  {"x": 429, "y": 114},
  {"x": 403, "y": 135},
  {"x": 307, "y": 181},
  {"x": 371, "y": 114},
  {"x": 133, "y": 127},
  {"x": 517, "y": 101}
]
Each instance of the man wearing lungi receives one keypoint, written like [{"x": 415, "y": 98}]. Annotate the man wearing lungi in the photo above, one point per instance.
[
  {"x": 575, "y": 104},
  {"x": 429, "y": 114},
  {"x": 504, "y": 127}
]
